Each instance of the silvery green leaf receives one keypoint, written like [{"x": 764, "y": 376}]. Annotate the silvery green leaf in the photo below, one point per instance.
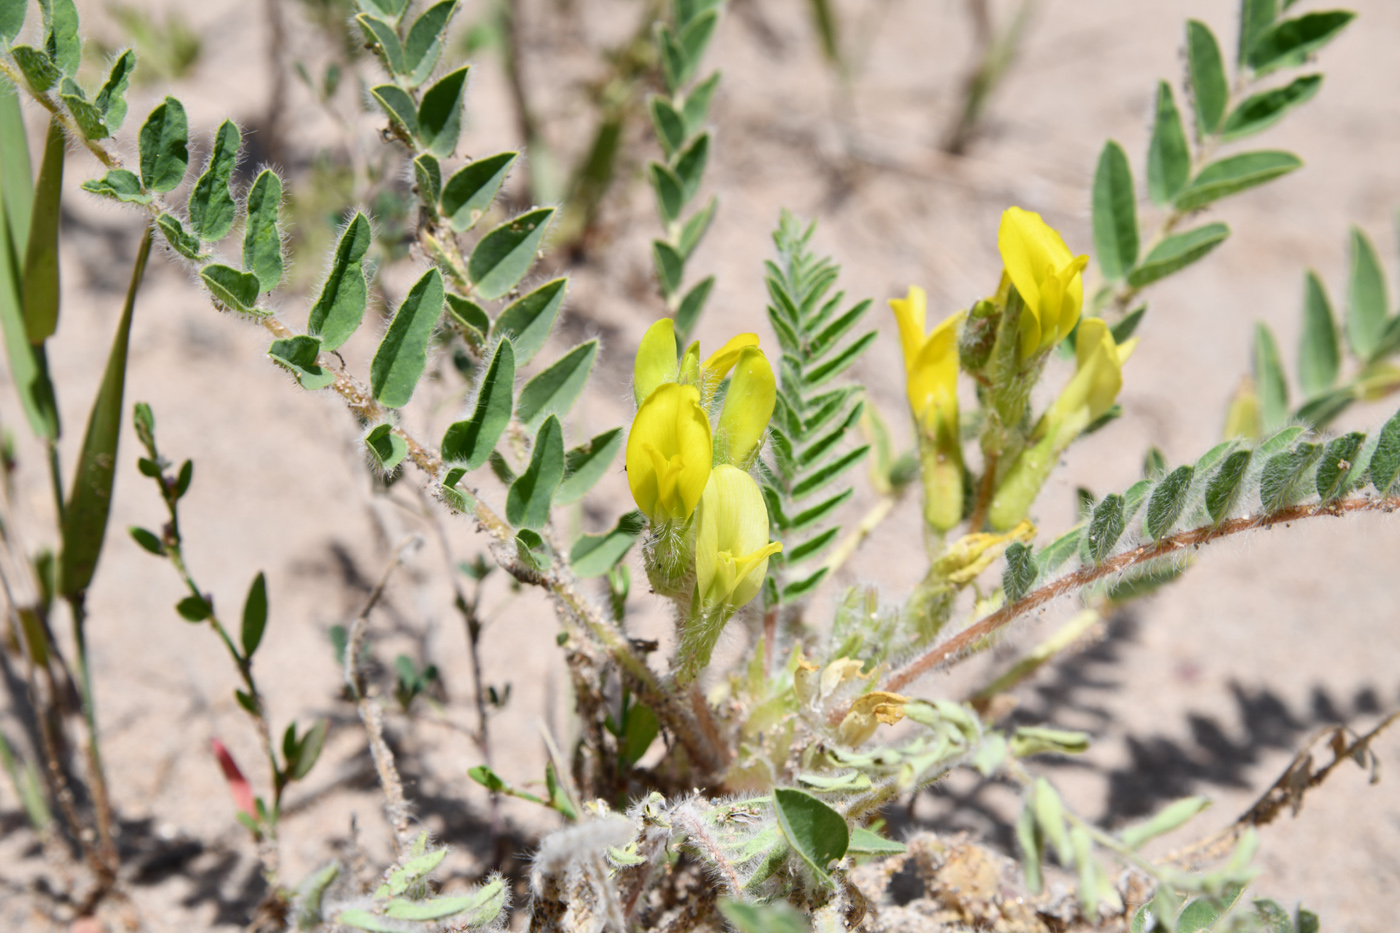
[
  {"x": 1319, "y": 357},
  {"x": 164, "y": 144},
  {"x": 555, "y": 390},
  {"x": 236, "y": 290},
  {"x": 504, "y": 255},
  {"x": 1168, "y": 502},
  {"x": 1289, "y": 42},
  {"x": 1269, "y": 378},
  {"x": 1168, "y": 155},
  {"x": 1367, "y": 301},
  {"x": 1105, "y": 528},
  {"x": 1283, "y": 479},
  {"x": 527, "y": 321},
  {"x": 1176, "y": 252},
  {"x": 595, "y": 555},
  {"x": 262, "y": 237},
  {"x": 1224, "y": 489},
  {"x": 470, "y": 443},
  {"x": 1210, "y": 89},
  {"x": 403, "y": 353},
  {"x": 341, "y": 304},
  {"x": 1260, "y": 111},
  {"x": 119, "y": 185},
  {"x": 472, "y": 188},
  {"x": 211, "y": 206},
  {"x": 529, "y": 497},
  {"x": 1234, "y": 174},
  {"x": 1335, "y": 474},
  {"x": 424, "y": 43},
  {"x": 1115, "y": 213},
  {"x": 586, "y": 464},
  {"x": 387, "y": 447},
  {"x": 440, "y": 113}
]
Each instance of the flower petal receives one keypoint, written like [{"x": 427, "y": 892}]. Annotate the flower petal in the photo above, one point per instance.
[
  {"x": 720, "y": 362},
  {"x": 910, "y": 313},
  {"x": 748, "y": 407},
  {"x": 670, "y": 424},
  {"x": 656, "y": 359}
]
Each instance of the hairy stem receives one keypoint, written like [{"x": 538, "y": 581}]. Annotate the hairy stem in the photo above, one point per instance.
[{"x": 1073, "y": 582}]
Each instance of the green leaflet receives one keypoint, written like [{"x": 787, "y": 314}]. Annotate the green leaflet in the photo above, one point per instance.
[
  {"x": 164, "y": 146},
  {"x": 472, "y": 188},
  {"x": 1282, "y": 481},
  {"x": 119, "y": 185},
  {"x": 403, "y": 353},
  {"x": 469, "y": 443},
  {"x": 1367, "y": 301},
  {"x": 1020, "y": 572},
  {"x": 690, "y": 164},
  {"x": 254, "y": 616},
  {"x": 587, "y": 463},
  {"x": 385, "y": 41},
  {"x": 1210, "y": 90},
  {"x": 440, "y": 113},
  {"x": 529, "y": 497},
  {"x": 61, "y": 39},
  {"x": 1115, "y": 213},
  {"x": 670, "y": 191},
  {"x": 555, "y": 390},
  {"x": 398, "y": 105},
  {"x": 504, "y": 255},
  {"x": 387, "y": 448},
  {"x": 469, "y": 316},
  {"x": 1256, "y": 16},
  {"x": 694, "y": 229},
  {"x": 11, "y": 19},
  {"x": 39, "y": 70},
  {"x": 39, "y": 292},
  {"x": 1168, "y": 156},
  {"x": 1169, "y": 819},
  {"x": 1289, "y": 42},
  {"x": 1169, "y": 501},
  {"x": 527, "y": 321},
  {"x": 180, "y": 240},
  {"x": 1105, "y": 528},
  {"x": 1385, "y": 461},
  {"x": 670, "y": 266},
  {"x": 90, "y": 502},
  {"x": 424, "y": 43},
  {"x": 1176, "y": 252},
  {"x": 668, "y": 123},
  {"x": 1336, "y": 473},
  {"x": 816, "y": 832},
  {"x": 1269, "y": 378},
  {"x": 1319, "y": 357},
  {"x": 688, "y": 312},
  {"x": 262, "y": 240},
  {"x": 1261, "y": 111},
  {"x": 341, "y": 305},
  {"x": 299, "y": 355},
  {"x": 471, "y": 911},
  {"x": 212, "y": 208},
  {"x": 1234, "y": 174},
  {"x": 238, "y": 291},
  {"x": 111, "y": 99},
  {"x": 427, "y": 172},
  {"x": 595, "y": 555}
]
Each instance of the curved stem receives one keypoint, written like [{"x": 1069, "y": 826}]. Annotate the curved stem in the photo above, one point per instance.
[{"x": 1070, "y": 583}]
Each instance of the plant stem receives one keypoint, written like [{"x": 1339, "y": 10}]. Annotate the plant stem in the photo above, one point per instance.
[{"x": 1070, "y": 583}]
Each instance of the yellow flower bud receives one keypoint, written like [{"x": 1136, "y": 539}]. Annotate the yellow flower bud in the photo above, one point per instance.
[
  {"x": 1088, "y": 396},
  {"x": 748, "y": 407},
  {"x": 1099, "y": 372},
  {"x": 731, "y": 541},
  {"x": 1048, "y": 277},
  {"x": 669, "y": 453},
  {"x": 931, "y": 382},
  {"x": 656, "y": 359}
]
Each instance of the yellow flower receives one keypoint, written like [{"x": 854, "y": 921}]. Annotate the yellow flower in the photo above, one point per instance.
[
  {"x": 669, "y": 453},
  {"x": 720, "y": 362},
  {"x": 930, "y": 362},
  {"x": 748, "y": 407},
  {"x": 1047, "y": 276},
  {"x": 1099, "y": 374},
  {"x": 656, "y": 359},
  {"x": 931, "y": 381},
  {"x": 731, "y": 541}
]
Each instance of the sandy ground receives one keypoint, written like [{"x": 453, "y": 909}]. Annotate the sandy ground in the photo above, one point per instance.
[{"x": 1206, "y": 688}]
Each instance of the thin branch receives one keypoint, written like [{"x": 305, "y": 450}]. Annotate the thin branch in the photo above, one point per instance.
[
  {"x": 1073, "y": 582},
  {"x": 395, "y": 804}
]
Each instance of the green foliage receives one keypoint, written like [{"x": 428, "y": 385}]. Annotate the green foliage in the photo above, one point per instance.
[{"x": 403, "y": 353}]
